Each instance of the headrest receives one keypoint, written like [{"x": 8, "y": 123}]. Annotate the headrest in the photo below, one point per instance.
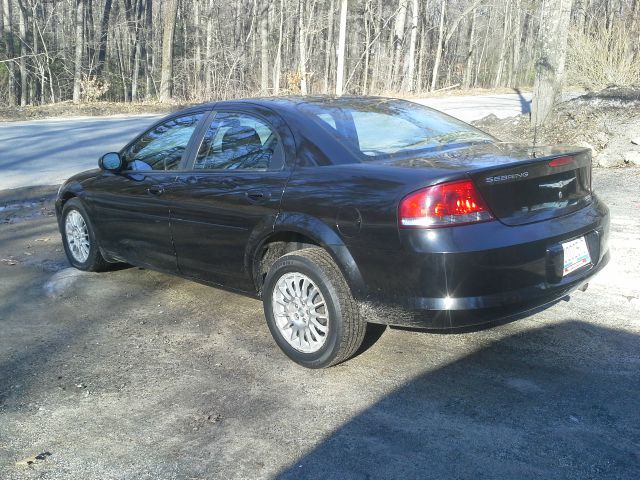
[{"x": 240, "y": 136}]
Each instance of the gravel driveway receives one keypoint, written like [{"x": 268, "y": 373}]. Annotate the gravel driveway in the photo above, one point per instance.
[{"x": 133, "y": 374}]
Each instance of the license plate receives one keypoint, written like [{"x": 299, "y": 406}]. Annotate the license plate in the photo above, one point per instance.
[{"x": 576, "y": 255}]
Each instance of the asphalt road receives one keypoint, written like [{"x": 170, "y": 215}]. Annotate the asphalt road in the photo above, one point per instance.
[
  {"x": 133, "y": 374},
  {"x": 47, "y": 152}
]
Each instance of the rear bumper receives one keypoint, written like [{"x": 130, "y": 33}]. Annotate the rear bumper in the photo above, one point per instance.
[
  {"x": 452, "y": 313},
  {"x": 490, "y": 272}
]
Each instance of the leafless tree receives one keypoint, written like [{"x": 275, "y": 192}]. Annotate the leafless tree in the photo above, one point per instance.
[
  {"x": 554, "y": 26},
  {"x": 190, "y": 50}
]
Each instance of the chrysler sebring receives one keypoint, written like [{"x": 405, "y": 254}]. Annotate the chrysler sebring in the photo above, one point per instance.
[{"x": 340, "y": 212}]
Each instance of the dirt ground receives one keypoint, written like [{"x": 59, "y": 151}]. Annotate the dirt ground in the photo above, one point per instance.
[
  {"x": 607, "y": 121},
  {"x": 133, "y": 374},
  {"x": 93, "y": 109}
]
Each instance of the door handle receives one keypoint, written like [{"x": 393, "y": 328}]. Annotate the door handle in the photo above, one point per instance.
[
  {"x": 257, "y": 196},
  {"x": 155, "y": 190}
]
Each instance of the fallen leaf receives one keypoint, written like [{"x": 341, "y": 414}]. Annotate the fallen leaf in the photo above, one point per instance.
[{"x": 29, "y": 461}]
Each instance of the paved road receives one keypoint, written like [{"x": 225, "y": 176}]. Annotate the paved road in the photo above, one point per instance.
[
  {"x": 469, "y": 108},
  {"x": 46, "y": 152}
]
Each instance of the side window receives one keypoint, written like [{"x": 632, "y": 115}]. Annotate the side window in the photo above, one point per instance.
[
  {"x": 237, "y": 141},
  {"x": 328, "y": 119},
  {"x": 162, "y": 148}
]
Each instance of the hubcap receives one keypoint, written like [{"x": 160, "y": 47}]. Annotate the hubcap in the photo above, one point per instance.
[
  {"x": 77, "y": 235},
  {"x": 300, "y": 312}
]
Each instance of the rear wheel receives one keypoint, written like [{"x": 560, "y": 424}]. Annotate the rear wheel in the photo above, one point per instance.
[
  {"x": 310, "y": 310},
  {"x": 79, "y": 239}
]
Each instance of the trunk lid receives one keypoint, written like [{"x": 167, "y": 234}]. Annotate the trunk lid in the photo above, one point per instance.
[{"x": 520, "y": 184}]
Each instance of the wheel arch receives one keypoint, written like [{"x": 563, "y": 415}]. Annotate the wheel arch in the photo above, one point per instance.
[
  {"x": 295, "y": 231},
  {"x": 68, "y": 190}
]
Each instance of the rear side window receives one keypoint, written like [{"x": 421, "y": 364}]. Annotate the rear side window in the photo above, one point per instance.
[
  {"x": 162, "y": 147},
  {"x": 401, "y": 133},
  {"x": 238, "y": 141}
]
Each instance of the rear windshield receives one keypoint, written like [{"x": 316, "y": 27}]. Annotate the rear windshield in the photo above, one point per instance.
[{"x": 375, "y": 128}]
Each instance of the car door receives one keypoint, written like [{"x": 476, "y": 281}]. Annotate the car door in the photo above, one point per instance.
[
  {"x": 132, "y": 212},
  {"x": 234, "y": 187}
]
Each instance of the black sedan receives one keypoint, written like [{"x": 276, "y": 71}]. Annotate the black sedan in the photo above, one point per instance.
[{"x": 339, "y": 212}]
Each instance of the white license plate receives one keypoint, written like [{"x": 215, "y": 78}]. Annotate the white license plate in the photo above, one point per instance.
[{"x": 576, "y": 255}]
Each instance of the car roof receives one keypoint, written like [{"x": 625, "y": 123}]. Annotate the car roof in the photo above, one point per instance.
[{"x": 291, "y": 103}]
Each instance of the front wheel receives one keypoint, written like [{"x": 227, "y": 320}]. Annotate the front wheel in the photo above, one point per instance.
[
  {"x": 310, "y": 311},
  {"x": 79, "y": 238}
]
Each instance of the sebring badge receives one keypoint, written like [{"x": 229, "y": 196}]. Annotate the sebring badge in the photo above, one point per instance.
[{"x": 506, "y": 178}]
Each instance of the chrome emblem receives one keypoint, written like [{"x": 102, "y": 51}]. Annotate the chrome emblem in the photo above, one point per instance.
[{"x": 506, "y": 178}]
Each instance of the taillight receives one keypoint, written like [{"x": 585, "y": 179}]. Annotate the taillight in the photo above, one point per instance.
[
  {"x": 561, "y": 161},
  {"x": 452, "y": 203}
]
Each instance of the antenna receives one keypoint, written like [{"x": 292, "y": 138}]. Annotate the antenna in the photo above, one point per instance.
[{"x": 535, "y": 124}]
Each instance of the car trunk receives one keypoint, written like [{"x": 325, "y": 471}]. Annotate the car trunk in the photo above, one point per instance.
[
  {"x": 529, "y": 192},
  {"x": 520, "y": 184}
]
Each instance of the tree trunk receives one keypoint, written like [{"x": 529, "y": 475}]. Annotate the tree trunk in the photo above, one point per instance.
[
  {"x": 368, "y": 18},
  {"x": 104, "y": 32},
  {"x": 466, "y": 82},
  {"x": 377, "y": 56},
  {"x": 277, "y": 66},
  {"x": 8, "y": 29},
  {"x": 436, "y": 63},
  {"x": 197, "y": 77},
  {"x": 503, "y": 45},
  {"x": 398, "y": 40},
  {"x": 264, "y": 52},
  {"x": 550, "y": 63},
  {"x": 302, "y": 40},
  {"x": 412, "y": 47},
  {"x": 166, "y": 74},
  {"x": 139, "y": 39},
  {"x": 514, "y": 65},
  {"x": 208, "y": 64},
  {"x": 77, "y": 76},
  {"x": 22, "y": 62},
  {"x": 342, "y": 35},
  {"x": 328, "y": 46}
]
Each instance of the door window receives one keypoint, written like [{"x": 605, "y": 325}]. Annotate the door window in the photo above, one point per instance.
[
  {"x": 162, "y": 147},
  {"x": 237, "y": 141}
]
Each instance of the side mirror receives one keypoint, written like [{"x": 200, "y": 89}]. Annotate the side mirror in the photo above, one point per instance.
[{"x": 110, "y": 161}]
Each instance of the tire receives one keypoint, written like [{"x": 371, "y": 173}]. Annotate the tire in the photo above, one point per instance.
[
  {"x": 295, "y": 313},
  {"x": 83, "y": 254}
]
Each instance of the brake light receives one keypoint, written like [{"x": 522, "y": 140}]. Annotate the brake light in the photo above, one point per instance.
[
  {"x": 452, "y": 203},
  {"x": 560, "y": 161}
]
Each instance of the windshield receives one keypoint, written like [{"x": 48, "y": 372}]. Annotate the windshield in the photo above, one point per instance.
[{"x": 377, "y": 128}]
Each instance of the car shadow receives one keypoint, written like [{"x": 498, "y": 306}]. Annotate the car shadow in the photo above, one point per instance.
[{"x": 560, "y": 401}]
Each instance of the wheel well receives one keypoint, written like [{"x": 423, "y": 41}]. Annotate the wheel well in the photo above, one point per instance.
[
  {"x": 273, "y": 248},
  {"x": 66, "y": 197}
]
